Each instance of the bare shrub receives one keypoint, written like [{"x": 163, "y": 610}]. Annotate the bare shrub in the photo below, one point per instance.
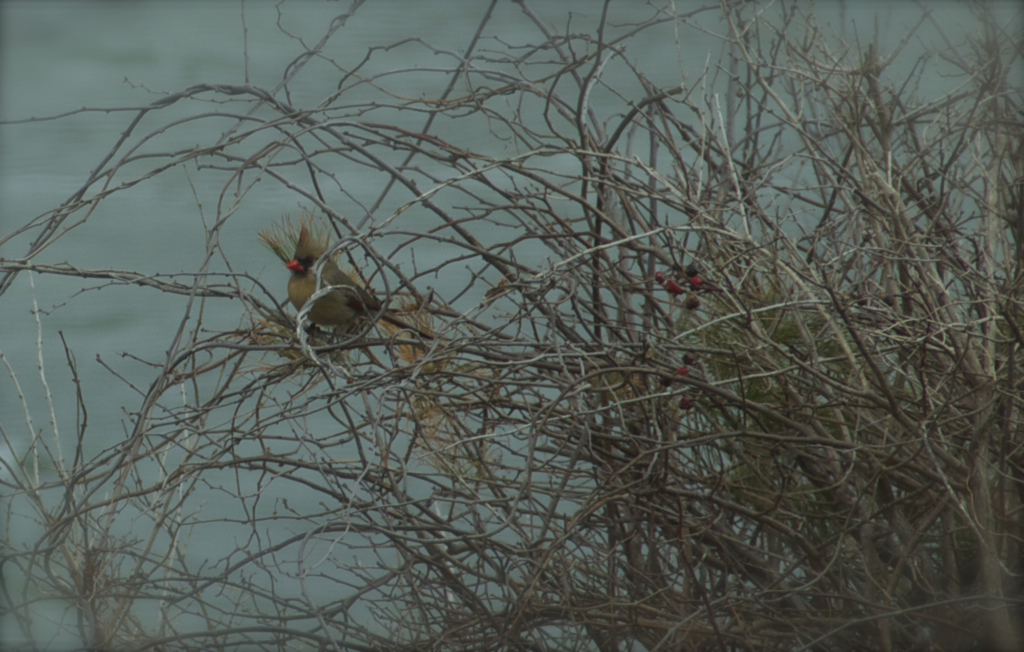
[{"x": 811, "y": 439}]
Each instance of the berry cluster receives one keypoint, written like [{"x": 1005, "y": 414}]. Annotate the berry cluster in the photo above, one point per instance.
[
  {"x": 696, "y": 284},
  {"x": 693, "y": 279},
  {"x": 685, "y": 401},
  {"x": 668, "y": 283}
]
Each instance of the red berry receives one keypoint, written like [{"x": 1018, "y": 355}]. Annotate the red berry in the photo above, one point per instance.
[
  {"x": 683, "y": 371},
  {"x": 696, "y": 283},
  {"x": 673, "y": 287},
  {"x": 659, "y": 277},
  {"x": 685, "y": 402}
]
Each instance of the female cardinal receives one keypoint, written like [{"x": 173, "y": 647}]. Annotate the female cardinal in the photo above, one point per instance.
[{"x": 340, "y": 307}]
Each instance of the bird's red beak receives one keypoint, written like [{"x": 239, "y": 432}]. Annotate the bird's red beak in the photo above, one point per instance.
[{"x": 295, "y": 265}]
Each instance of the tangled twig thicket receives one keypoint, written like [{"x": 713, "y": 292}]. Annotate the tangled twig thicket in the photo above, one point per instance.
[{"x": 811, "y": 439}]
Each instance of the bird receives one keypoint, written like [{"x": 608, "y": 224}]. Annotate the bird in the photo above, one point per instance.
[{"x": 341, "y": 307}]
